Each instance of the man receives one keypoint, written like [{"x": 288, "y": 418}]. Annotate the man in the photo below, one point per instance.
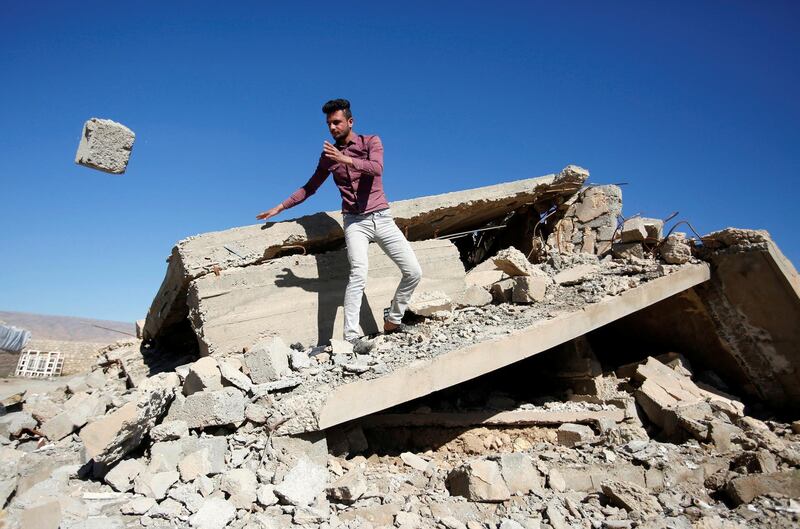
[{"x": 356, "y": 162}]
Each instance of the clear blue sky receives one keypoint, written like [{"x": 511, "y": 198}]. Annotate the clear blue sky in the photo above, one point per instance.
[{"x": 694, "y": 104}]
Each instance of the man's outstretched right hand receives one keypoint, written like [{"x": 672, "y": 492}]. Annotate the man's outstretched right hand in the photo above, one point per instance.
[{"x": 270, "y": 213}]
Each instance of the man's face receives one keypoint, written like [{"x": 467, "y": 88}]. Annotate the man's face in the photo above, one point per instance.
[{"x": 339, "y": 125}]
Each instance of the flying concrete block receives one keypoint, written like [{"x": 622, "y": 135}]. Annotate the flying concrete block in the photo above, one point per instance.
[{"x": 105, "y": 145}]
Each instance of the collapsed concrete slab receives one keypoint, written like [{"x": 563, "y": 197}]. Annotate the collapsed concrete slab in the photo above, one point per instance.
[
  {"x": 326, "y": 406},
  {"x": 420, "y": 219},
  {"x": 742, "y": 324},
  {"x": 299, "y": 297}
]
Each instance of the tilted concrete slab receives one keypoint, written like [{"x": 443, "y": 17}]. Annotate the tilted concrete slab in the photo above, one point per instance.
[
  {"x": 420, "y": 218},
  {"x": 299, "y": 297},
  {"x": 744, "y": 324},
  {"x": 357, "y": 399}
]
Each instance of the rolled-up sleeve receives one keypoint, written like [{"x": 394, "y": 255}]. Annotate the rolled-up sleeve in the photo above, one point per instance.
[
  {"x": 310, "y": 187},
  {"x": 374, "y": 165}
]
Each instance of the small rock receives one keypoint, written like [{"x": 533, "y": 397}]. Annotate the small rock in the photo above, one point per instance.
[
  {"x": 12, "y": 424},
  {"x": 241, "y": 485},
  {"x": 155, "y": 485},
  {"x": 203, "y": 375},
  {"x": 122, "y": 476},
  {"x": 138, "y": 506},
  {"x": 478, "y": 481},
  {"x": 570, "y": 434},
  {"x": 169, "y": 431},
  {"x": 233, "y": 376},
  {"x": 675, "y": 249},
  {"x": 414, "y": 461},
  {"x": 216, "y": 513},
  {"x": 303, "y": 483},
  {"x": 268, "y": 360}
]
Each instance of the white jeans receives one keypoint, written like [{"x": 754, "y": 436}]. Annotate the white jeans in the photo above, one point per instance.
[{"x": 359, "y": 231}]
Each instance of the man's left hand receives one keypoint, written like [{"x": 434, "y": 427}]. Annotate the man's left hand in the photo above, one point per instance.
[{"x": 332, "y": 153}]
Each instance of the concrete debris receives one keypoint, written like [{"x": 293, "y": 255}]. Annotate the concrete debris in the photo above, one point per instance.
[
  {"x": 529, "y": 289},
  {"x": 429, "y": 302},
  {"x": 203, "y": 375},
  {"x": 542, "y": 410},
  {"x": 589, "y": 221},
  {"x": 122, "y": 477},
  {"x": 209, "y": 408},
  {"x": 473, "y": 296},
  {"x": 632, "y": 498},
  {"x": 572, "y": 434},
  {"x": 169, "y": 431},
  {"x": 303, "y": 484},
  {"x": 268, "y": 360},
  {"x": 240, "y": 484},
  {"x": 479, "y": 481},
  {"x": 676, "y": 249},
  {"x": 216, "y": 513},
  {"x": 105, "y": 145},
  {"x": 514, "y": 263},
  {"x": 744, "y": 489},
  {"x": 108, "y": 439},
  {"x": 13, "y": 424}
]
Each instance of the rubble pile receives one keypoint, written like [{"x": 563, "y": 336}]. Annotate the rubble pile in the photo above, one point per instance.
[{"x": 501, "y": 407}]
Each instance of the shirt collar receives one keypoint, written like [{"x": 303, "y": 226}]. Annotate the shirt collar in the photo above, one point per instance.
[{"x": 352, "y": 138}]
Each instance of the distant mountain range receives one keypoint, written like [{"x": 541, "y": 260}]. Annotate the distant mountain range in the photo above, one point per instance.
[{"x": 67, "y": 328}]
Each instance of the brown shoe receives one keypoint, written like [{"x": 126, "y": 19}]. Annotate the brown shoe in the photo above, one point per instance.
[{"x": 391, "y": 328}]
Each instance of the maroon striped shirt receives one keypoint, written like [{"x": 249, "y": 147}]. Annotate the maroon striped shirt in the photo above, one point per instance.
[{"x": 361, "y": 185}]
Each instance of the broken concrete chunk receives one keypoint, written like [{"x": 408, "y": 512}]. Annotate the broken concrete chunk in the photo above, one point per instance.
[
  {"x": 478, "y": 481},
  {"x": 632, "y": 497},
  {"x": 473, "y": 296},
  {"x": 744, "y": 489},
  {"x": 155, "y": 485},
  {"x": 571, "y": 434},
  {"x": 194, "y": 465},
  {"x": 268, "y": 360},
  {"x": 529, "y": 289},
  {"x": 303, "y": 483},
  {"x": 210, "y": 408},
  {"x": 105, "y": 145},
  {"x": 428, "y": 302},
  {"x": 240, "y": 484},
  {"x": 627, "y": 250},
  {"x": 512, "y": 262},
  {"x": 108, "y": 439},
  {"x": 654, "y": 228},
  {"x": 633, "y": 230},
  {"x": 122, "y": 476},
  {"x": 299, "y": 360},
  {"x": 348, "y": 488},
  {"x": 519, "y": 473},
  {"x": 169, "y": 431},
  {"x": 414, "y": 461},
  {"x": 216, "y": 513},
  {"x": 576, "y": 274},
  {"x": 233, "y": 376},
  {"x": 203, "y": 375},
  {"x": 138, "y": 506},
  {"x": 12, "y": 424},
  {"x": 503, "y": 290},
  {"x": 675, "y": 249}
]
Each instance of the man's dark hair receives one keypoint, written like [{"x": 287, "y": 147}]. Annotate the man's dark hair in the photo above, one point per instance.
[{"x": 337, "y": 104}]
